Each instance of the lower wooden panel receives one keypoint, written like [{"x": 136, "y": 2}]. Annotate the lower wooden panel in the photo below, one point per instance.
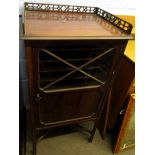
[{"x": 63, "y": 106}]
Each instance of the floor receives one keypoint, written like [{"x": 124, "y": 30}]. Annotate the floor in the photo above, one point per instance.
[{"x": 75, "y": 142}]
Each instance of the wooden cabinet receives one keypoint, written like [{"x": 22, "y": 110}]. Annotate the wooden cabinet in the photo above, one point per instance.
[
  {"x": 70, "y": 70},
  {"x": 69, "y": 79}
]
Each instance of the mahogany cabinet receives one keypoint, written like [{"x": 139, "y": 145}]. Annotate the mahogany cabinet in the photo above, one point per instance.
[{"x": 73, "y": 54}]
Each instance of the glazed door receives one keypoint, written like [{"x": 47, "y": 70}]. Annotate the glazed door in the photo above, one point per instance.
[{"x": 70, "y": 81}]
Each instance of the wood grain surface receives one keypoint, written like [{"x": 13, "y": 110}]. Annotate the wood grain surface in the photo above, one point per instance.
[{"x": 67, "y": 24}]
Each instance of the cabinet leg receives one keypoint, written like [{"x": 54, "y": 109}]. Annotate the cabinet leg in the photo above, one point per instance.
[
  {"x": 93, "y": 132},
  {"x": 34, "y": 147},
  {"x": 34, "y": 142}
]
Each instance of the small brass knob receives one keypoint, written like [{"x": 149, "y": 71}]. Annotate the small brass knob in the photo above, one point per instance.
[{"x": 38, "y": 98}]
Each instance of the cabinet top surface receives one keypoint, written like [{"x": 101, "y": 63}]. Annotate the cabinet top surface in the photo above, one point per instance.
[{"x": 50, "y": 24}]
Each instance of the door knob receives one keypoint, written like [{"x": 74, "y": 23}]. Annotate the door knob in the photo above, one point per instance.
[{"x": 38, "y": 98}]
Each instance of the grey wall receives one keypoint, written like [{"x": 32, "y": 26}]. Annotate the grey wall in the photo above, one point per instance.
[{"x": 23, "y": 79}]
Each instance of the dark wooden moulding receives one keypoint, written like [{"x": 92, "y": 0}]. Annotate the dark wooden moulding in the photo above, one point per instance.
[{"x": 55, "y": 105}]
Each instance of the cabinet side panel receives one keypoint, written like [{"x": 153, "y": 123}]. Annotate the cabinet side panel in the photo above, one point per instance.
[{"x": 120, "y": 88}]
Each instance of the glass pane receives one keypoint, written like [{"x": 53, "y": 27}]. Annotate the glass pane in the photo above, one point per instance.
[
  {"x": 100, "y": 67},
  {"x": 51, "y": 69},
  {"x": 76, "y": 79},
  {"x": 94, "y": 64}
]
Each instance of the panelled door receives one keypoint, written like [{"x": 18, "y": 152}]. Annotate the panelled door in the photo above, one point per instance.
[{"x": 71, "y": 80}]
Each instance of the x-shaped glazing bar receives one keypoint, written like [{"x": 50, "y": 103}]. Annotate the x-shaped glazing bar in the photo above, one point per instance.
[{"x": 76, "y": 68}]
